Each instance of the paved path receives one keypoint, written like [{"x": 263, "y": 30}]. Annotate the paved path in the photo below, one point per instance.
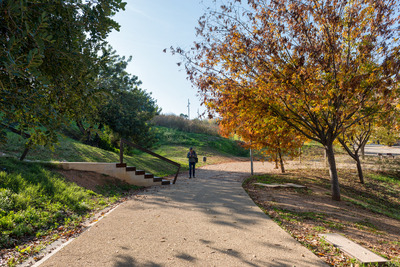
[{"x": 206, "y": 221}]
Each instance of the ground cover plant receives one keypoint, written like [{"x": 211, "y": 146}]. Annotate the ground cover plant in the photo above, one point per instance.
[
  {"x": 38, "y": 205},
  {"x": 369, "y": 214}
]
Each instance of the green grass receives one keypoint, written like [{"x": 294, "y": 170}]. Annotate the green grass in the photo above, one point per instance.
[
  {"x": 172, "y": 144},
  {"x": 201, "y": 142},
  {"x": 390, "y": 178},
  {"x": 34, "y": 201}
]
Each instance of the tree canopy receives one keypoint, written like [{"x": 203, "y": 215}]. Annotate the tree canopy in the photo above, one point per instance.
[
  {"x": 320, "y": 66},
  {"x": 49, "y": 61}
]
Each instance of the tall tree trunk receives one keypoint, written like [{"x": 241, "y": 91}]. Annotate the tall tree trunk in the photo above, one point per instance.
[
  {"x": 332, "y": 171},
  {"x": 281, "y": 161},
  {"x": 276, "y": 161},
  {"x": 359, "y": 169}
]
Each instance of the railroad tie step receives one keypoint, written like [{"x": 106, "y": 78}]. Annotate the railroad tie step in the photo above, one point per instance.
[
  {"x": 130, "y": 169},
  {"x": 157, "y": 179},
  {"x": 121, "y": 165},
  {"x": 148, "y": 176},
  {"x": 165, "y": 182},
  {"x": 140, "y": 172}
]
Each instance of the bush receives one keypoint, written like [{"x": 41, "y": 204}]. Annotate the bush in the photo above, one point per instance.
[
  {"x": 191, "y": 126},
  {"x": 6, "y": 199}
]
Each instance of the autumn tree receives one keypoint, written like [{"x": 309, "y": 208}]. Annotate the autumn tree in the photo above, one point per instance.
[
  {"x": 257, "y": 127},
  {"x": 386, "y": 130},
  {"x": 354, "y": 140},
  {"x": 320, "y": 66}
]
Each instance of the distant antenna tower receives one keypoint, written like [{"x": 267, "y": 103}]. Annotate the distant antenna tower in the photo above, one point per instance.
[{"x": 188, "y": 106}]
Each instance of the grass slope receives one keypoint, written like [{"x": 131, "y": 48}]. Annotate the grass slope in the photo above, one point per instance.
[{"x": 173, "y": 144}]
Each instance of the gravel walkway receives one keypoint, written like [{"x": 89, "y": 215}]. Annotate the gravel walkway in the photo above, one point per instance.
[{"x": 206, "y": 221}]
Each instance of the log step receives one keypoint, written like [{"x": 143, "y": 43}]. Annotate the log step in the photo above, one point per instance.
[
  {"x": 121, "y": 165},
  {"x": 130, "y": 169},
  {"x": 140, "y": 172},
  {"x": 148, "y": 176},
  {"x": 166, "y": 182},
  {"x": 157, "y": 179}
]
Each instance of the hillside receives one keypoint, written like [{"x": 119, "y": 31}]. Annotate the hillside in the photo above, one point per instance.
[{"x": 172, "y": 144}]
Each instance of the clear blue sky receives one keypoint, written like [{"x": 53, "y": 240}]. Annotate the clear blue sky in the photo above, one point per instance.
[{"x": 149, "y": 26}]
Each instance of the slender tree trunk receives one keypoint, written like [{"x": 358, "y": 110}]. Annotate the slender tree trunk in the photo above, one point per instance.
[
  {"x": 276, "y": 161},
  {"x": 363, "y": 152},
  {"x": 251, "y": 162},
  {"x": 359, "y": 169},
  {"x": 81, "y": 128},
  {"x": 300, "y": 154},
  {"x": 281, "y": 161},
  {"x": 333, "y": 172},
  {"x": 27, "y": 148}
]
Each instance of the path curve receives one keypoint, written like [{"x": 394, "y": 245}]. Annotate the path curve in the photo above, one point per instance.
[{"x": 206, "y": 221}]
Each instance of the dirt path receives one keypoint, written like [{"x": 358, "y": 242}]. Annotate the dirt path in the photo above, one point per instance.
[{"x": 206, "y": 221}]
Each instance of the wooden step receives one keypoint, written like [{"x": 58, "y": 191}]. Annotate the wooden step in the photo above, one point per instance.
[
  {"x": 166, "y": 182},
  {"x": 140, "y": 172},
  {"x": 121, "y": 165},
  {"x": 148, "y": 176},
  {"x": 130, "y": 169},
  {"x": 157, "y": 179}
]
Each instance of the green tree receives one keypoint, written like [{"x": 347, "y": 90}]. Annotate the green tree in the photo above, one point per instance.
[
  {"x": 128, "y": 114},
  {"x": 121, "y": 104},
  {"x": 48, "y": 58}
]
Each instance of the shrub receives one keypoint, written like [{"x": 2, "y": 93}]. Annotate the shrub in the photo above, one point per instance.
[{"x": 6, "y": 199}]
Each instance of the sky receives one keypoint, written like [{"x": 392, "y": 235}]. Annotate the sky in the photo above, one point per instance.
[{"x": 148, "y": 27}]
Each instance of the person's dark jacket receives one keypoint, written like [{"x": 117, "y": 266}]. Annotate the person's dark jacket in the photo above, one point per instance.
[{"x": 192, "y": 156}]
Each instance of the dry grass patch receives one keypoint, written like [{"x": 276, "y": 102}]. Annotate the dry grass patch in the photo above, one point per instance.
[{"x": 368, "y": 214}]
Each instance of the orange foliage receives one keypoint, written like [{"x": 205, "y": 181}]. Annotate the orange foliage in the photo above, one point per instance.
[{"x": 319, "y": 66}]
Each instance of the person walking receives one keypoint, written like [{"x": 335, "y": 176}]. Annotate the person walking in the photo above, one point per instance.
[{"x": 192, "y": 156}]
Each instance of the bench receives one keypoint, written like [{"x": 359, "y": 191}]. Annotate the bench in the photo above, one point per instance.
[{"x": 380, "y": 155}]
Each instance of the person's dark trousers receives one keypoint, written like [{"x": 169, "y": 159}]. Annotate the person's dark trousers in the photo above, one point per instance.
[{"x": 192, "y": 167}]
